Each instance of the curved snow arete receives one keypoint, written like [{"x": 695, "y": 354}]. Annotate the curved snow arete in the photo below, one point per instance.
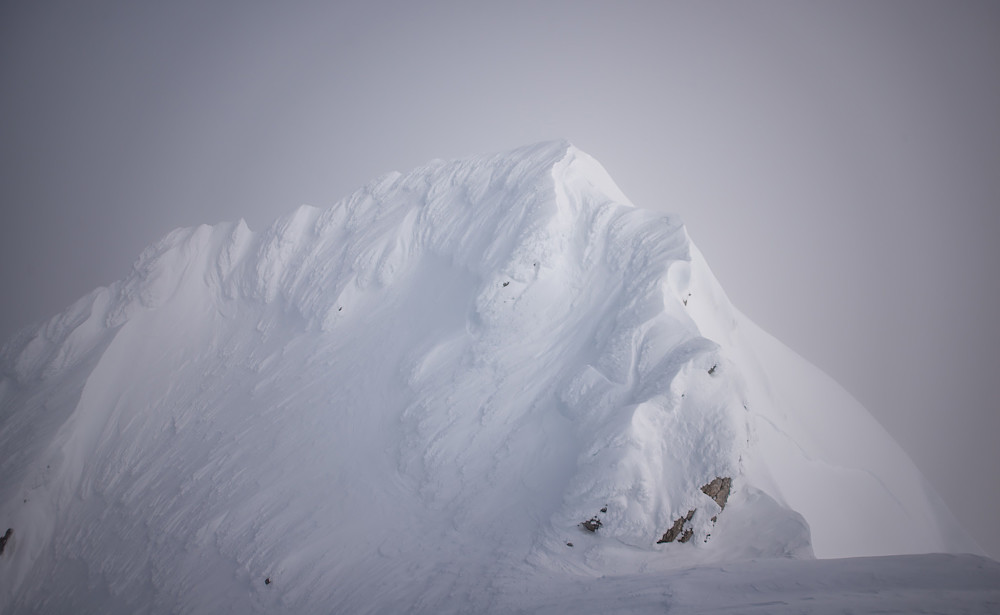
[{"x": 438, "y": 378}]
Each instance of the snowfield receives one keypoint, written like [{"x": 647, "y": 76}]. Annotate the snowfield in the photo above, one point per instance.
[{"x": 411, "y": 401}]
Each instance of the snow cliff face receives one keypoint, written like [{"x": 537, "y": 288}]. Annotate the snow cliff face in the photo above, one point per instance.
[{"x": 422, "y": 392}]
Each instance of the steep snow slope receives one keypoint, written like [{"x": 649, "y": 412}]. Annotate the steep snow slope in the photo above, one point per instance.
[{"x": 414, "y": 398}]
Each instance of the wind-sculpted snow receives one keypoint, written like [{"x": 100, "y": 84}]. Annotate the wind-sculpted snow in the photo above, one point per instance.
[{"x": 411, "y": 400}]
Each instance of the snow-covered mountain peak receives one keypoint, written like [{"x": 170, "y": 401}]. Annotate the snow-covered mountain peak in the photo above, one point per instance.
[{"x": 482, "y": 369}]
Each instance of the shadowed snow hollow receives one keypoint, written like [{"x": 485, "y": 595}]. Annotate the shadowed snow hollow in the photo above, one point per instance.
[{"x": 418, "y": 395}]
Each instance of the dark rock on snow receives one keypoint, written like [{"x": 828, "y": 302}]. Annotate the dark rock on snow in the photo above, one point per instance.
[
  {"x": 5, "y": 538},
  {"x": 678, "y": 530},
  {"x": 718, "y": 490}
]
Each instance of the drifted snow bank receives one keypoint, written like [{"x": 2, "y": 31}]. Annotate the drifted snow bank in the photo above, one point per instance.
[{"x": 416, "y": 397}]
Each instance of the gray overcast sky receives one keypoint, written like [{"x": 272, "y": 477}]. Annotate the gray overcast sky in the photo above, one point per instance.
[{"x": 837, "y": 163}]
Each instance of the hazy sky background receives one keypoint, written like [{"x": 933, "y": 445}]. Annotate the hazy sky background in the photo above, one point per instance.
[{"x": 837, "y": 163}]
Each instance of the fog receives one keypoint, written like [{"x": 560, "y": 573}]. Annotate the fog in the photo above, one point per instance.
[{"x": 837, "y": 163}]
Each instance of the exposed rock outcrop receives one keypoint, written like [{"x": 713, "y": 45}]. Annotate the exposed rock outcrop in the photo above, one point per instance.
[
  {"x": 592, "y": 524},
  {"x": 5, "y": 538},
  {"x": 678, "y": 531},
  {"x": 718, "y": 490}
]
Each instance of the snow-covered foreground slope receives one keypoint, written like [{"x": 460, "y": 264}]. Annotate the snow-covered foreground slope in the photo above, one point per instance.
[
  {"x": 411, "y": 401},
  {"x": 903, "y": 584}
]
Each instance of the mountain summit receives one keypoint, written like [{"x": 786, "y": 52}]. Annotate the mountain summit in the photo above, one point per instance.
[{"x": 453, "y": 381}]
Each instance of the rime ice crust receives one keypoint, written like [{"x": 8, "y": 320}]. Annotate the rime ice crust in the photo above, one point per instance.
[{"x": 444, "y": 373}]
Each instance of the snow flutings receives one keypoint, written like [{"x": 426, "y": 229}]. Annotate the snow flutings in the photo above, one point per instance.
[{"x": 407, "y": 402}]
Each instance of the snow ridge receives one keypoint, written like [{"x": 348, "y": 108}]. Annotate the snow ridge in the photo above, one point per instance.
[{"x": 434, "y": 381}]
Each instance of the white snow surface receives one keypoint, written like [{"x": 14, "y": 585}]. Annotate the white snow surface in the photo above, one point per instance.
[{"x": 408, "y": 403}]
